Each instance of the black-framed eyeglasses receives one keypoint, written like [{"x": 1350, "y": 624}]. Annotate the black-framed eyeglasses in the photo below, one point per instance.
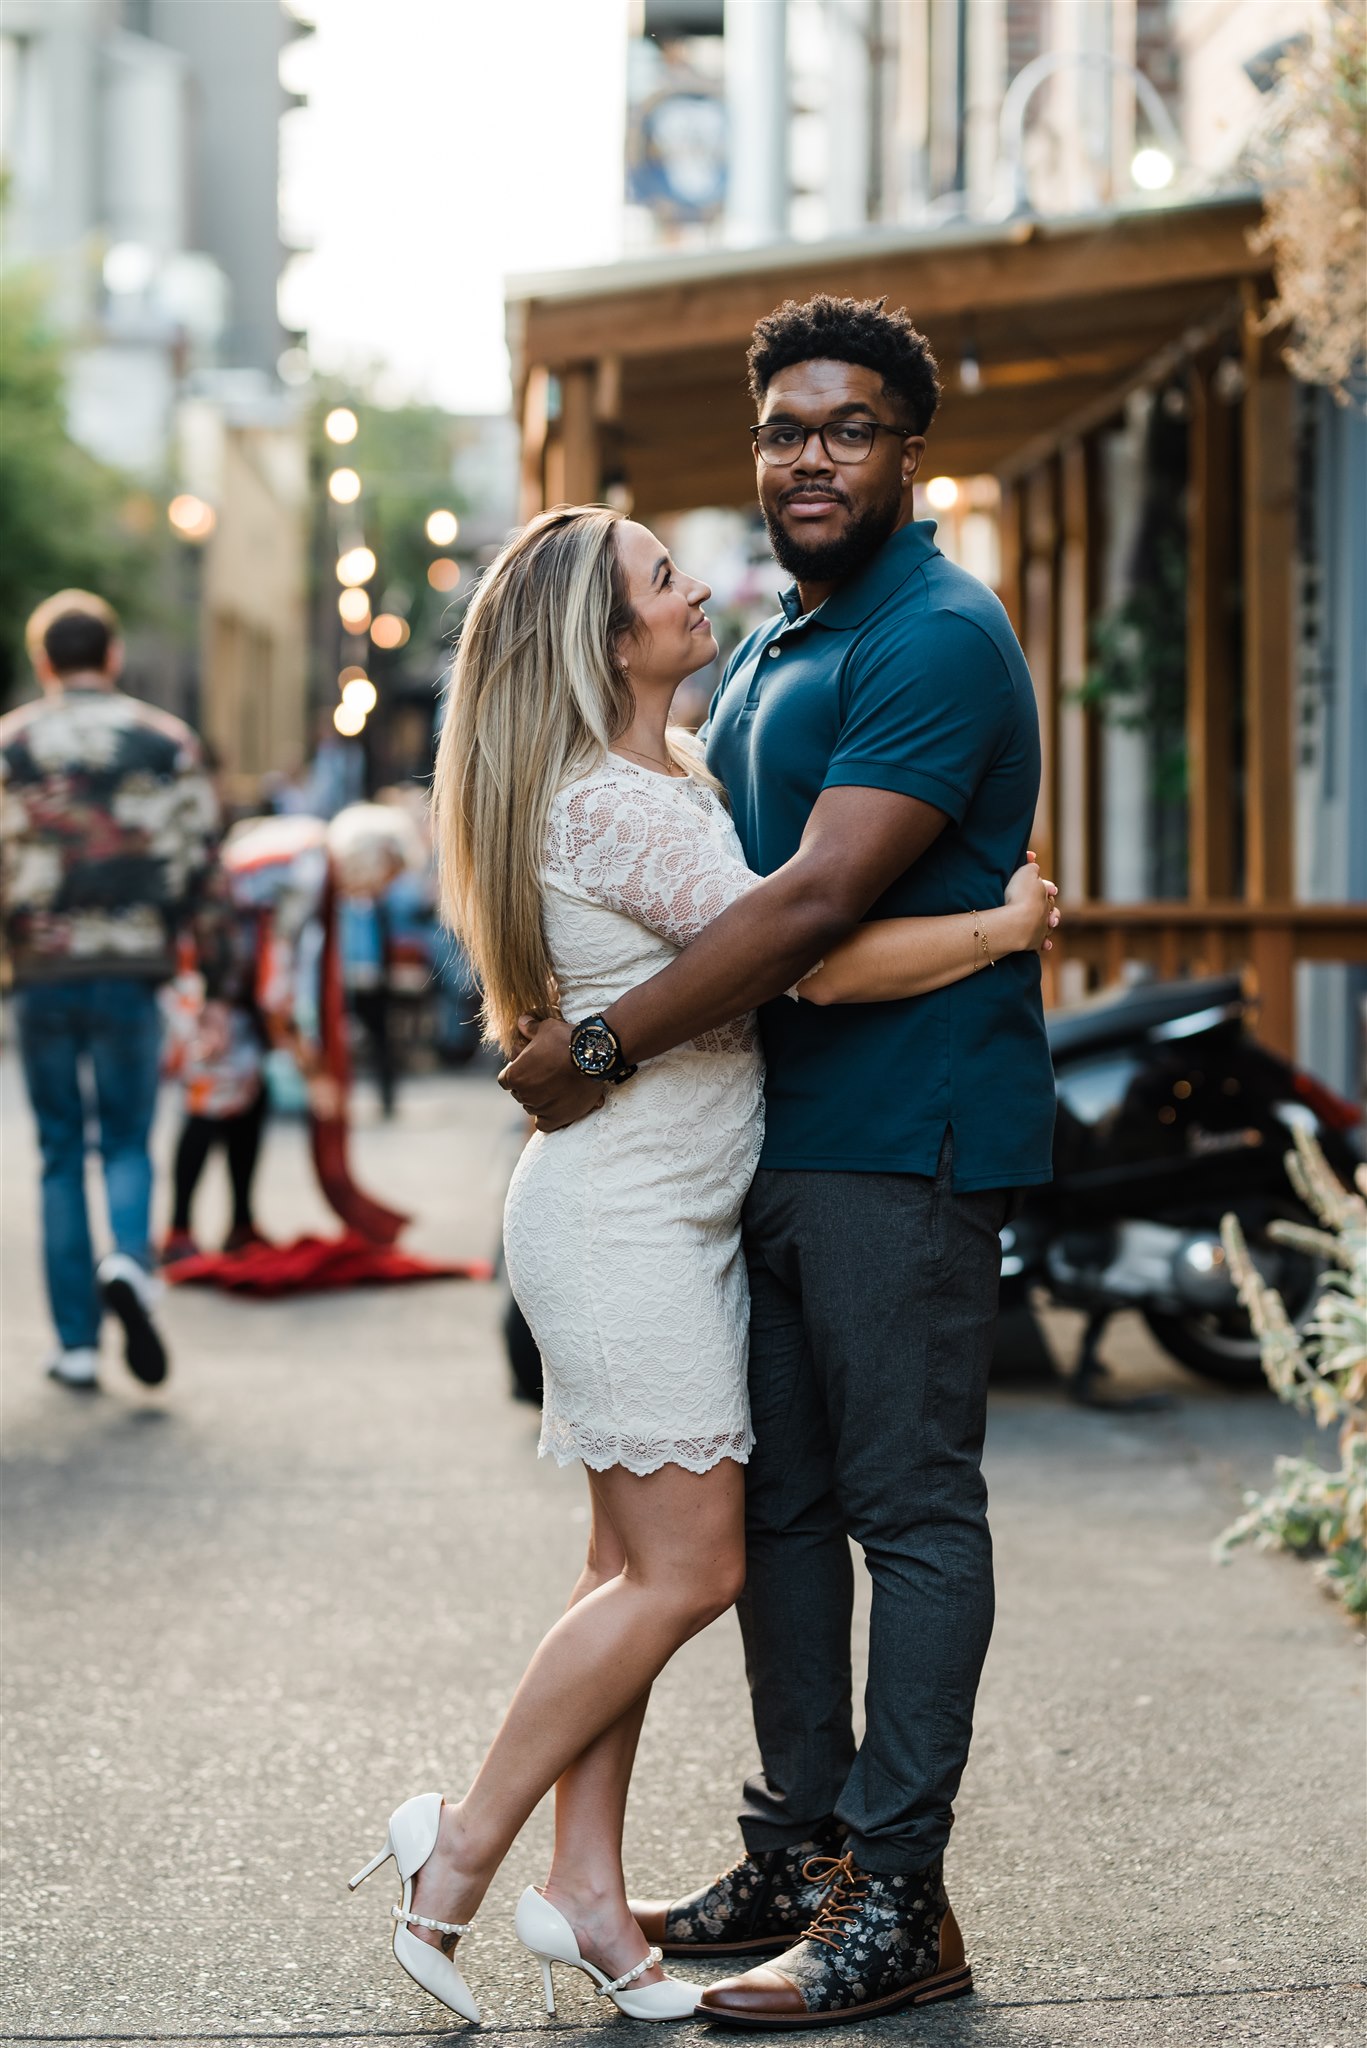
[{"x": 846, "y": 442}]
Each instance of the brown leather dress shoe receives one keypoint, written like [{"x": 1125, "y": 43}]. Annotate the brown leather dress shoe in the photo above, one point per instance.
[
  {"x": 879, "y": 1943},
  {"x": 761, "y": 1903}
]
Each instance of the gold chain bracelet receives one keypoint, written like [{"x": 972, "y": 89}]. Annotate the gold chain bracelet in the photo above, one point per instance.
[{"x": 981, "y": 936}]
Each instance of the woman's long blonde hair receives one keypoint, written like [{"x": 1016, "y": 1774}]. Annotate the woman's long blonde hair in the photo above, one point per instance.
[{"x": 538, "y": 694}]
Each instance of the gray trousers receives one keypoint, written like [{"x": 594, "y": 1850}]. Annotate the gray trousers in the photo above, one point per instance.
[{"x": 873, "y": 1303}]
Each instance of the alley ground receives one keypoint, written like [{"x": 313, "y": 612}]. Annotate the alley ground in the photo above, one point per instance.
[{"x": 246, "y": 1616}]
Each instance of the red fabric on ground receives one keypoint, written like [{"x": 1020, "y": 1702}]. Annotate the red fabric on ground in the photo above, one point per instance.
[{"x": 312, "y": 1264}]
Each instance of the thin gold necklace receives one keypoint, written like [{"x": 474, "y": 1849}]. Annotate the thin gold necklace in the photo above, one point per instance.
[{"x": 637, "y": 755}]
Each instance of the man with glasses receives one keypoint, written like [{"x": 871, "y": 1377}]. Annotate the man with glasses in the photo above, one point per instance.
[{"x": 879, "y": 745}]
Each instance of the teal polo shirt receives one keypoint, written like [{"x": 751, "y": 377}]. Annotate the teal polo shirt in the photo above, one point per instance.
[{"x": 907, "y": 678}]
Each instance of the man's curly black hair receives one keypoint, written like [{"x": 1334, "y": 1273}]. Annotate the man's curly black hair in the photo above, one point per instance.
[{"x": 849, "y": 331}]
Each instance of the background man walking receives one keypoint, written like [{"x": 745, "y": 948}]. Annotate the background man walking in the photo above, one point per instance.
[{"x": 106, "y": 831}]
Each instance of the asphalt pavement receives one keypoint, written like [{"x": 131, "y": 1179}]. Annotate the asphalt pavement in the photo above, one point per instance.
[{"x": 248, "y": 1614}]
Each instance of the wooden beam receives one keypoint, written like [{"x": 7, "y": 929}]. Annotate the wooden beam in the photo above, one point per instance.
[
  {"x": 1099, "y": 409},
  {"x": 1269, "y": 555},
  {"x": 1211, "y": 571},
  {"x": 1023, "y": 264},
  {"x": 1076, "y": 798},
  {"x": 1042, "y": 644}
]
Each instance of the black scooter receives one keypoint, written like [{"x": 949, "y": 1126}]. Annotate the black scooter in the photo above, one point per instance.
[{"x": 1170, "y": 1115}]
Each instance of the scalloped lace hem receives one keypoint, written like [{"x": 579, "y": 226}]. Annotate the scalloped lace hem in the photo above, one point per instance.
[{"x": 601, "y": 1450}]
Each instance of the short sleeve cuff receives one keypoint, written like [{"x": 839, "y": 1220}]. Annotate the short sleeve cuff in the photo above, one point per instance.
[{"x": 929, "y": 789}]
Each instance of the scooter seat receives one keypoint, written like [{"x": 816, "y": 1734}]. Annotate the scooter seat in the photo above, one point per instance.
[{"x": 1112, "y": 1017}]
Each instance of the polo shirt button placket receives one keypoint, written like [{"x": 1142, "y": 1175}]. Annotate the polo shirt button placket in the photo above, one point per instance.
[{"x": 774, "y": 652}]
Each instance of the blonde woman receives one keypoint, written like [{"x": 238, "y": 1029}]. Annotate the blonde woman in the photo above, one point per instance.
[{"x": 582, "y": 844}]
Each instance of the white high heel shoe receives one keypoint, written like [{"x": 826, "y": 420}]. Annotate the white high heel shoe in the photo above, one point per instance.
[
  {"x": 543, "y": 1929},
  {"x": 410, "y": 1840}
]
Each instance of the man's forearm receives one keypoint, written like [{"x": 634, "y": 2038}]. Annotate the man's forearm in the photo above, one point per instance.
[{"x": 751, "y": 953}]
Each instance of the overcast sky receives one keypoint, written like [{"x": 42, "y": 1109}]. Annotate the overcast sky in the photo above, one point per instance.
[{"x": 446, "y": 144}]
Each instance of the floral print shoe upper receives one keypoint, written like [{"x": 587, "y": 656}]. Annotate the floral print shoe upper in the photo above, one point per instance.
[
  {"x": 876, "y": 1943},
  {"x": 760, "y": 1903}
]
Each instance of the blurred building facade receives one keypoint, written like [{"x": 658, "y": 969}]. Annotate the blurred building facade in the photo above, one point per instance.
[
  {"x": 141, "y": 154},
  {"x": 1058, "y": 192}
]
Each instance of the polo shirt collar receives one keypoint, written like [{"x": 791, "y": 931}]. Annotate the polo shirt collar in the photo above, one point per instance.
[{"x": 898, "y": 558}]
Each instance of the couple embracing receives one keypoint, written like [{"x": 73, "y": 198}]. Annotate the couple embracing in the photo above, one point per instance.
[{"x": 760, "y": 1260}]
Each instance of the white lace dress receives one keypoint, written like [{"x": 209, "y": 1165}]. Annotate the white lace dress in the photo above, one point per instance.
[{"x": 623, "y": 1232}]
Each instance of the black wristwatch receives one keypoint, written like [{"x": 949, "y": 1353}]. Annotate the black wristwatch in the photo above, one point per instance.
[{"x": 596, "y": 1050}]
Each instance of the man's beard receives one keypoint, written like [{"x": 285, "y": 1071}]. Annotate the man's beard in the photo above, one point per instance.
[{"x": 834, "y": 561}]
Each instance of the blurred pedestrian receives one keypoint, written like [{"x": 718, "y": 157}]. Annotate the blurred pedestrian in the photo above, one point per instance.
[
  {"x": 107, "y": 823},
  {"x": 365, "y": 935},
  {"x": 221, "y": 1064}
]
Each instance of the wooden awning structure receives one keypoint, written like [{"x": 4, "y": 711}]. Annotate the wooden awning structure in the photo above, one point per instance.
[
  {"x": 631, "y": 387},
  {"x": 1055, "y": 320}
]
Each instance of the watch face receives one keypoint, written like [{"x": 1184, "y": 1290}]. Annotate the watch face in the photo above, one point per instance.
[{"x": 593, "y": 1049}]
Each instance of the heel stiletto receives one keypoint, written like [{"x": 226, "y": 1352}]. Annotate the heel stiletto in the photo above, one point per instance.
[
  {"x": 410, "y": 1839},
  {"x": 543, "y": 1929}
]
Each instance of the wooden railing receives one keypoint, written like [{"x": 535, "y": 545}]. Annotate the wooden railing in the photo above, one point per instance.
[{"x": 1263, "y": 942}]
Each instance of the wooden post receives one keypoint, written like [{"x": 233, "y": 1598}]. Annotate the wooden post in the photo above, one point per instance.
[
  {"x": 1076, "y": 778},
  {"x": 583, "y": 483},
  {"x": 1269, "y": 555},
  {"x": 1010, "y": 518},
  {"x": 1041, "y": 642},
  {"x": 1274, "y": 966},
  {"x": 1210, "y": 641},
  {"x": 535, "y": 424}
]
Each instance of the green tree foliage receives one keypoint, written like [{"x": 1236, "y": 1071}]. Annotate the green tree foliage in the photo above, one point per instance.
[{"x": 64, "y": 517}]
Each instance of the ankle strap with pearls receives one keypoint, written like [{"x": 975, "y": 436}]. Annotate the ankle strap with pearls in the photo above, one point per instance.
[
  {"x": 437, "y": 1926},
  {"x": 620, "y": 1983}
]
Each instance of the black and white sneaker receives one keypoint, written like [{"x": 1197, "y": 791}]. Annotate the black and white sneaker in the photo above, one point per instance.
[
  {"x": 78, "y": 1369},
  {"x": 128, "y": 1292}
]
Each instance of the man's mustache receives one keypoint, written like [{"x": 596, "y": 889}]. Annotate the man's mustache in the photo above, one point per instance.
[{"x": 811, "y": 491}]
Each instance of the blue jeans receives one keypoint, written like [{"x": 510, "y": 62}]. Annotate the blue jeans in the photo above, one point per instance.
[{"x": 108, "y": 1031}]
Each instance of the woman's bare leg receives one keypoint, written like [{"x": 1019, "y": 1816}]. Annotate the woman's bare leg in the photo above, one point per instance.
[
  {"x": 683, "y": 1542},
  {"x": 586, "y": 1880}
]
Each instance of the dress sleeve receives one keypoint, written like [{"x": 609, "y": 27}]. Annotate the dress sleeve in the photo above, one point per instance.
[{"x": 656, "y": 858}]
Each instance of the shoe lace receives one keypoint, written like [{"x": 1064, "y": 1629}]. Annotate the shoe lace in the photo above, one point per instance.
[{"x": 847, "y": 1890}]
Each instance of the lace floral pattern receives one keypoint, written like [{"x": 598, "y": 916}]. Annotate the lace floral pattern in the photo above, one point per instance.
[{"x": 623, "y": 1232}]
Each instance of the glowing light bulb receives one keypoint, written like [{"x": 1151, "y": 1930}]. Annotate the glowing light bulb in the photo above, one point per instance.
[
  {"x": 353, "y": 606},
  {"x": 443, "y": 574},
  {"x": 344, "y": 487},
  {"x": 341, "y": 425},
  {"x": 349, "y": 720},
  {"x": 1151, "y": 169},
  {"x": 357, "y": 565},
  {"x": 942, "y": 493},
  {"x": 191, "y": 518},
  {"x": 442, "y": 528},
  {"x": 360, "y": 693}
]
